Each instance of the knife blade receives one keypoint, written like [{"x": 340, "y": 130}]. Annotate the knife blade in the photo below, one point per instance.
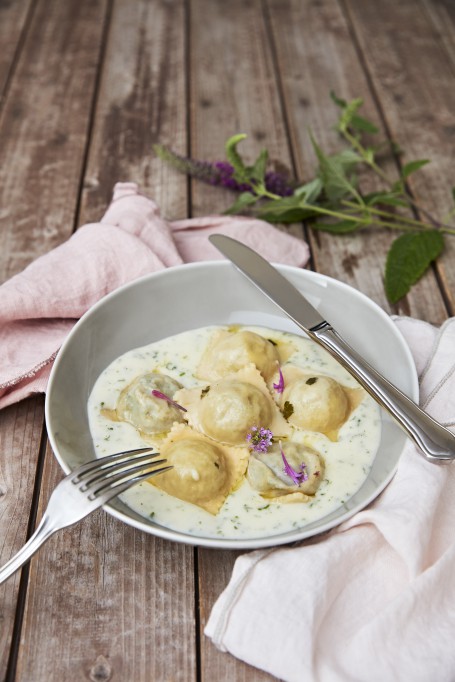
[{"x": 435, "y": 441}]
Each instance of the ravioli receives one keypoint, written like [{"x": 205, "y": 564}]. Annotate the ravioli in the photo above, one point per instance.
[
  {"x": 204, "y": 472},
  {"x": 228, "y": 478},
  {"x": 316, "y": 402},
  {"x": 227, "y": 410},
  {"x": 230, "y": 351},
  {"x": 267, "y": 474},
  {"x": 149, "y": 414}
]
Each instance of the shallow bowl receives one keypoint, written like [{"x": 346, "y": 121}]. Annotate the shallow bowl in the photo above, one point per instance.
[{"x": 202, "y": 294}]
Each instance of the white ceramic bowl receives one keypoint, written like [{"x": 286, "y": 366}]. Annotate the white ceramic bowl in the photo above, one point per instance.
[{"x": 198, "y": 295}]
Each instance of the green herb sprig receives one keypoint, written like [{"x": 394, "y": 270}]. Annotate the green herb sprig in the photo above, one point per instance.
[{"x": 333, "y": 202}]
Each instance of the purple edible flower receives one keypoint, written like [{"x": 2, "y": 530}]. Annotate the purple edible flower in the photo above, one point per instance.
[
  {"x": 163, "y": 396},
  {"x": 278, "y": 183},
  {"x": 297, "y": 477},
  {"x": 224, "y": 176},
  {"x": 259, "y": 439},
  {"x": 221, "y": 173},
  {"x": 279, "y": 387}
]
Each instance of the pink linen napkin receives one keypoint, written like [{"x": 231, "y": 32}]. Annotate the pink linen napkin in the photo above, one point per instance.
[
  {"x": 375, "y": 598},
  {"x": 39, "y": 306}
]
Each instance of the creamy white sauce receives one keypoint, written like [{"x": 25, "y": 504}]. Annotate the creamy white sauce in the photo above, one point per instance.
[{"x": 245, "y": 514}]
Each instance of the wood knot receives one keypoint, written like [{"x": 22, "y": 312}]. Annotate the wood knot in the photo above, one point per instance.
[
  {"x": 101, "y": 671},
  {"x": 350, "y": 263}
]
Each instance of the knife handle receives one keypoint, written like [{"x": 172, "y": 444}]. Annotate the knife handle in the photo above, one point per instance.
[{"x": 435, "y": 441}]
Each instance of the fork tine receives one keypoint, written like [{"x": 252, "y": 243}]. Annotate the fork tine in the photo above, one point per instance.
[
  {"x": 115, "y": 485},
  {"x": 108, "y": 472},
  {"x": 105, "y": 463},
  {"x": 101, "y": 480}
]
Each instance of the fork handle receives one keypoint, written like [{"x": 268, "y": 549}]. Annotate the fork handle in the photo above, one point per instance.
[{"x": 42, "y": 533}]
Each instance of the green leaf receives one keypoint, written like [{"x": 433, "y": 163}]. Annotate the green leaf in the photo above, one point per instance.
[
  {"x": 350, "y": 118},
  {"x": 398, "y": 187},
  {"x": 278, "y": 205},
  {"x": 348, "y": 113},
  {"x": 285, "y": 210},
  {"x": 388, "y": 198},
  {"x": 408, "y": 259},
  {"x": 244, "y": 200},
  {"x": 363, "y": 125},
  {"x": 412, "y": 167},
  {"x": 234, "y": 157},
  {"x": 310, "y": 191},
  {"x": 291, "y": 215},
  {"x": 257, "y": 172},
  {"x": 338, "y": 101},
  {"x": 369, "y": 155},
  {"x": 333, "y": 172},
  {"x": 341, "y": 227}
]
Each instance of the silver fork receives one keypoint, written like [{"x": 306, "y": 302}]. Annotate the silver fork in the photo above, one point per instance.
[{"x": 84, "y": 490}]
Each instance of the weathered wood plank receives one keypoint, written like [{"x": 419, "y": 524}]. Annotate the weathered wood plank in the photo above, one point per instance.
[
  {"x": 42, "y": 137},
  {"x": 310, "y": 69},
  {"x": 141, "y": 101},
  {"x": 20, "y": 433},
  {"x": 442, "y": 16},
  {"x": 131, "y": 613},
  {"x": 413, "y": 75},
  {"x": 233, "y": 89},
  {"x": 215, "y": 569},
  {"x": 13, "y": 19},
  {"x": 43, "y": 129},
  {"x": 106, "y": 601}
]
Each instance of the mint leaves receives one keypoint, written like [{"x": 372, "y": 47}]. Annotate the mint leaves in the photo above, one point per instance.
[
  {"x": 332, "y": 201},
  {"x": 409, "y": 257}
]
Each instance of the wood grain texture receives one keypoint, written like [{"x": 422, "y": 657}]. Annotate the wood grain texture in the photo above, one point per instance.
[
  {"x": 132, "y": 614},
  {"x": 310, "y": 69},
  {"x": 413, "y": 77},
  {"x": 20, "y": 434},
  {"x": 107, "y": 602},
  {"x": 233, "y": 89},
  {"x": 43, "y": 129},
  {"x": 13, "y": 22},
  {"x": 141, "y": 101},
  {"x": 215, "y": 569}
]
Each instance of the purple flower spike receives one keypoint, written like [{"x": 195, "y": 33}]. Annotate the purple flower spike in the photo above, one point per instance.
[
  {"x": 278, "y": 183},
  {"x": 221, "y": 173},
  {"x": 163, "y": 396},
  {"x": 259, "y": 439},
  {"x": 279, "y": 387},
  {"x": 298, "y": 477}
]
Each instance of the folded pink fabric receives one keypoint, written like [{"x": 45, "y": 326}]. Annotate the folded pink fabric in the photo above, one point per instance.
[
  {"x": 375, "y": 598},
  {"x": 39, "y": 306}
]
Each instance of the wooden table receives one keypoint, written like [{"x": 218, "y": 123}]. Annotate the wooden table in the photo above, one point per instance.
[{"x": 86, "y": 88}]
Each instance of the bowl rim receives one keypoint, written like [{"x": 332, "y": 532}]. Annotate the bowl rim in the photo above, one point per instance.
[{"x": 226, "y": 543}]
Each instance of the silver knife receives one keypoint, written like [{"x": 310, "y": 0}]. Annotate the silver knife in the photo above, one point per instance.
[{"x": 435, "y": 441}]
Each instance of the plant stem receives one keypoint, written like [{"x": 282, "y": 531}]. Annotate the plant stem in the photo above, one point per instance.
[
  {"x": 391, "y": 216},
  {"x": 378, "y": 170},
  {"x": 353, "y": 141},
  {"x": 265, "y": 193},
  {"x": 334, "y": 214}
]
